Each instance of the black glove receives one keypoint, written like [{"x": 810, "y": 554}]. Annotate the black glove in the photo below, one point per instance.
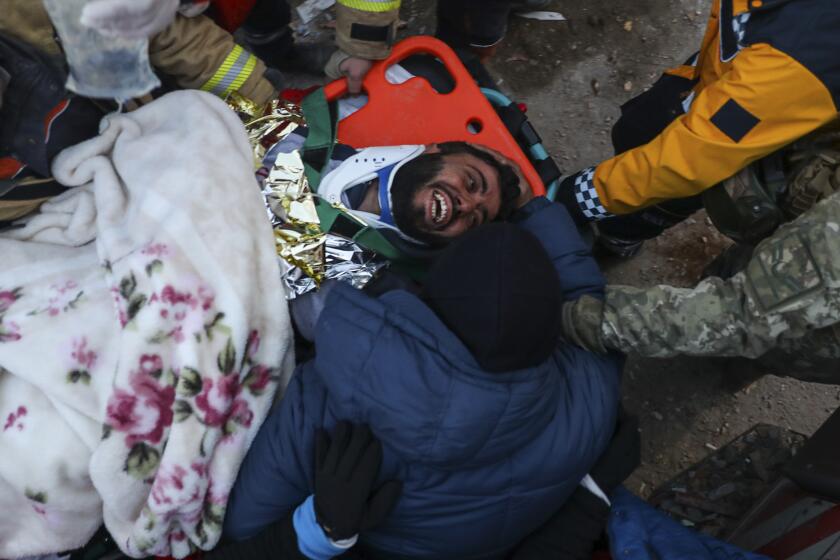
[
  {"x": 730, "y": 262},
  {"x": 276, "y": 542},
  {"x": 345, "y": 472}
]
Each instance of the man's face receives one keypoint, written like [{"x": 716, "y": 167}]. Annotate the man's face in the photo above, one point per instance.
[
  {"x": 472, "y": 186},
  {"x": 465, "y": 194}
]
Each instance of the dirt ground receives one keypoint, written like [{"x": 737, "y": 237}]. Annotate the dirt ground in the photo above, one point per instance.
[{"x": 574, "y": 75}]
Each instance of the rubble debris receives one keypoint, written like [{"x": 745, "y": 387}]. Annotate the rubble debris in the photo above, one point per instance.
[
  {"x": 723, "y": 491},
  {"x": 717, "y": 507},
  {"x": 518, "y": 57},
  {"x": 542, "y": 16},
  {"x": 311, "y": 9},
  {"x": 714, "y": 494}
]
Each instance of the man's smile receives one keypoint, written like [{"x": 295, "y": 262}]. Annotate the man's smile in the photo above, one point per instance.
[{"x": 440, "y": 207}]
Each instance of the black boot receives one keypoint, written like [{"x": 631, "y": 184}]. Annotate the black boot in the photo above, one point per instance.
[
  {"x": 616, "y": 246},
  {"x": 730, "y": 262}
]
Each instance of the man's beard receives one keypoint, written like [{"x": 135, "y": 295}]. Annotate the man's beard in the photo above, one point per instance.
[{"x": 410, "y": 219}]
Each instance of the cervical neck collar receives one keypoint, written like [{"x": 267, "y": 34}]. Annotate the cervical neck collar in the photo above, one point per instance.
[{"x": 370, "y": 163}]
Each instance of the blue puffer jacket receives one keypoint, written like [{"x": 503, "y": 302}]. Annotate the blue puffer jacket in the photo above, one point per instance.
[
  {"x": 484, "y": 458},
  {"x": 638, "y": 531}
]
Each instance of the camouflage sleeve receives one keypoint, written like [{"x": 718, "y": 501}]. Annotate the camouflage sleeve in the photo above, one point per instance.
[{"x": 790, "y": 286}]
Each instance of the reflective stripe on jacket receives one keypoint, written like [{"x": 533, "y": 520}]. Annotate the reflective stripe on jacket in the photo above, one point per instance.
[
  {"x": 193, "y": 51},
  {"x": 198, "y": 54},
  {"x": 767, "y": 74}
]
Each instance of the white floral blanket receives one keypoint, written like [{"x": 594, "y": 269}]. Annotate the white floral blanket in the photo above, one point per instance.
[{"x": 143, "y": 336}]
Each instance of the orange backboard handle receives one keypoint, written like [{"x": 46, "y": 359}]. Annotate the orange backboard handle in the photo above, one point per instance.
[{"x": 414, "y": 113}]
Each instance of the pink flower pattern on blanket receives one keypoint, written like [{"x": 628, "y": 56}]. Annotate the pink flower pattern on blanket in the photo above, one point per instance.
[
  {"x": 9, "y": 330},
  {"x": 186, "y": 496},
  {"x": 220, "y": 402},
  {"x": 216, "y": 399},
  {"x": 182, "y": 312},
  {"x": 148, "y": 335},
  {"x": 144, "y": 413},
  {"x": 65, "y": 296},
  {"x": 190, "y": 378},
  {"x": 15, "y": 419},
  {"x": 169, "y": 486},
  {"x": 156, "y": 250},
  {"x": 220, "y": 406},
  {"x": 259, "y": 376},
  {"x": 7, "y": 298},
  {"x": 83, "y": 359}
]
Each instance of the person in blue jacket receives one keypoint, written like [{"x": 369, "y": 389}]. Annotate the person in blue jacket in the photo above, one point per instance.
[
  {"x": 487, "y": 419},
  {"x": 638, "y": 531}
]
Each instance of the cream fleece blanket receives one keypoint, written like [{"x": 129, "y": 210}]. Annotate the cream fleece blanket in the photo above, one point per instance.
[{"x": 143, "y": 336}]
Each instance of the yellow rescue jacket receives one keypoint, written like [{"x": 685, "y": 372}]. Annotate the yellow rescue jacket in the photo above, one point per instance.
[{"x": 767, "y": 73}]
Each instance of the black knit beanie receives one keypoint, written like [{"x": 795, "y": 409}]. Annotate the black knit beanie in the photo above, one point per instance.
[{"x": 498, "y": 291}]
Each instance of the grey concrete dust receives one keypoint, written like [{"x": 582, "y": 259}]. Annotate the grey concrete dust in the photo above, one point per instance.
[{"x": 574, "y": 76}]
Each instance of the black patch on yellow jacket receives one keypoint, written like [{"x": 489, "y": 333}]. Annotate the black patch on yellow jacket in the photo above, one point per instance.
[{"x": 734, "y": 121}]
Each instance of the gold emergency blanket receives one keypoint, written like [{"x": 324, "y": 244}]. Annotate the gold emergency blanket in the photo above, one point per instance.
[{"x": 308, "y": 255}]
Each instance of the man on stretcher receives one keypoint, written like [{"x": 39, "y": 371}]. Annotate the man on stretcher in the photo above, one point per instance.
[
  {"x": 418, "y": 197},
  {"x": 429, "y": 194}
]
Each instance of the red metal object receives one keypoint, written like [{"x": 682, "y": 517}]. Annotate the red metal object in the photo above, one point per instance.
[
  {"x": 231, "y": 14},
  {"x": 812, "y": 532},
  {"x": 293, "y": 95},
  {"x": 9, "y": 167},
  {"x": 791, "y": 523},
  {"x": 414, "y": 113}
]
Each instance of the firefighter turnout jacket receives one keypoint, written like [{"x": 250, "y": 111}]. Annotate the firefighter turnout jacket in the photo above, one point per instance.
[
  {"x": 193, "y": 52},
  {"x": 767, "y": 73},
  {"x": 366, "y": 28},
  {"x": 38, "y": 118}
]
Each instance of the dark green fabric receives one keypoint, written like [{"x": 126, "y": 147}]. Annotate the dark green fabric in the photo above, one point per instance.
[
  {"x": 369, "y": 238},
  {"x": 322, "y": 121},
  {"x": 366, "y": 236}
]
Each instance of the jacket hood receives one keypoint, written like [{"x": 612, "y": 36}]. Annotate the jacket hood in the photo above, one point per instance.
[{"x": 390, "y": 362}]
